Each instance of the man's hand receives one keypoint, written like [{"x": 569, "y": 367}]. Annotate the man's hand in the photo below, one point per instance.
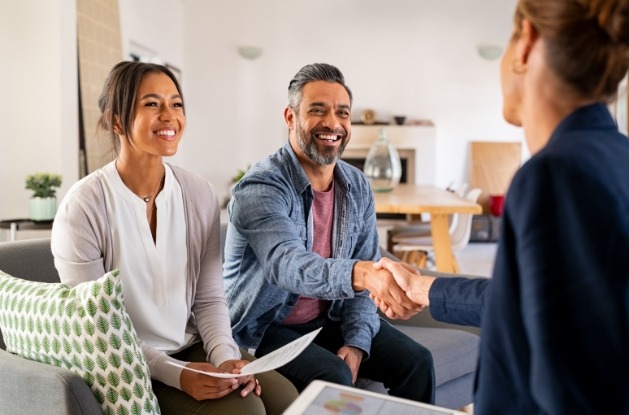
[
  {"x": 352, "y": 357},
  {"x": 415, "y": 286},
  {"x": 380, "y": 283}
]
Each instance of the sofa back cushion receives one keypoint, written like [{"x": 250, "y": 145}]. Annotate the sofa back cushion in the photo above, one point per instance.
[
  {"x": 31, "y": 259},
  {"x": 85, "y": 329}
]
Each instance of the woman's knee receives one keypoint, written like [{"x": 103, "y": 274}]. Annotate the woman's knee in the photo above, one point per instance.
[
  {"x": 175, "y": 402},
  {"x": 277, "y": 392}
]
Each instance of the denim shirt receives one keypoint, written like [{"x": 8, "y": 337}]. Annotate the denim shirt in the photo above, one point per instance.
[{"x": 268, "y": 250}]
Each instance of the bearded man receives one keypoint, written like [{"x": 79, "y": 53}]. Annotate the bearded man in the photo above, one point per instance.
[{"x": 299, "y": 254}]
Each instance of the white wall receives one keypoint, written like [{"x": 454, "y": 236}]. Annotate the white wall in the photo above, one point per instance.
[
  {"x": 38, "y": 98},
  {"x": 156, "y": 25},
  {"x": 412, "y": 57}
]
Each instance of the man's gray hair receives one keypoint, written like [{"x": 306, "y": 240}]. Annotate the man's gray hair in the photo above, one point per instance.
[{"x": 311, "y": 73}]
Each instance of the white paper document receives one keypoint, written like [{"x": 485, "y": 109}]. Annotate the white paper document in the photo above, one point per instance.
[{"x": 271, "y": 361}]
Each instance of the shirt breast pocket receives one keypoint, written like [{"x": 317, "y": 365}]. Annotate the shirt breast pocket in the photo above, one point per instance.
[{"x": 351, "y": 238}]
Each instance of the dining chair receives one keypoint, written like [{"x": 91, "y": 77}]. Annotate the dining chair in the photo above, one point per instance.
[{"x": 416, "y": 250}]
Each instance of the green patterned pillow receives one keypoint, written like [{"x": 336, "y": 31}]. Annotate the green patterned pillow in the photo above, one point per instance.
[{"x": 85, "y": 329}]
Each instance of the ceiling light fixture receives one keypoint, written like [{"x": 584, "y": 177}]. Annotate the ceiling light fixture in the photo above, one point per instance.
[
  {"x": 489, "y": 52},
  {"x": 250, "y": 52}
]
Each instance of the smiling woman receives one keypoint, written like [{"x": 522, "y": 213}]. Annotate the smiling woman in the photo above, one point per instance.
[{"x": 159, "y": 225}]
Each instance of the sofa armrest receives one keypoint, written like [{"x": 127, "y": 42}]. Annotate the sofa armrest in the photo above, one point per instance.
[
  {"x": 30, "y": 387},
  {"x": 424, "y": 319}
]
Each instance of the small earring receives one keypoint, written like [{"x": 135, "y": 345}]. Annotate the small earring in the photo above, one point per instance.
[{"x": 519, "y": 67}]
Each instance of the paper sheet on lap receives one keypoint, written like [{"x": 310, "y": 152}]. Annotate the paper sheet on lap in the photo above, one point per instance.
[{"x": 266, "y": 363}]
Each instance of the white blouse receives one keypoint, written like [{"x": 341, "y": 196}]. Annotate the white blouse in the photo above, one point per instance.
[{"x": 153, "y": 274}]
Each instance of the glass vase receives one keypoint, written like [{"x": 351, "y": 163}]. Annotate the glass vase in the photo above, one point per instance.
[{"x": 382, "y": 165}]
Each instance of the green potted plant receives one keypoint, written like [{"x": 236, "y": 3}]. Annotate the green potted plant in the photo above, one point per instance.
[
  {"x": 239, "y": 175},
  {"x": 43, "y": 204},
  {"x": 232, "y": 182}
]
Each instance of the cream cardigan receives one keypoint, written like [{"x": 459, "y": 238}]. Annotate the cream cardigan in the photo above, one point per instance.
[{"x": 83, "y": 249}]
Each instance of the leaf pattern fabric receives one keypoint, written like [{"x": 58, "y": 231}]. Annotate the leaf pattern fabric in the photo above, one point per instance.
[{"x": 85, "y": 329}]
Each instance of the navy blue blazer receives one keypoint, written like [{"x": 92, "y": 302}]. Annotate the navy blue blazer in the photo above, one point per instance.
[{"x": 555, "y": 324}]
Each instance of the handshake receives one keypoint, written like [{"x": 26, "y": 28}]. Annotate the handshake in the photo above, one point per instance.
[{"x": 398, "y": 289}]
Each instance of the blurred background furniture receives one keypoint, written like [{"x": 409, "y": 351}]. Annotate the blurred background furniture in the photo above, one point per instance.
[
  {"x": 12, "y": 226},
  {"x": 493, "y": 165},
  {"x": 416, "y": 249},
  {"x": 439, "y": 203},
  {"x": 419, "y": 226}
]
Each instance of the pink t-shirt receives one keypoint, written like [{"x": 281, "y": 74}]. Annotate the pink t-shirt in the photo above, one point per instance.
[{"x": 306, "y": 308}]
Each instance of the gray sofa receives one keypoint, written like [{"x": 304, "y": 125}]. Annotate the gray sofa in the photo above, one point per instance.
[{"x": 29, "y": 387}]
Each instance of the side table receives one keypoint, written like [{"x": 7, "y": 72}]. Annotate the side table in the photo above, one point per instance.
[{"x": 14, "y": 225}]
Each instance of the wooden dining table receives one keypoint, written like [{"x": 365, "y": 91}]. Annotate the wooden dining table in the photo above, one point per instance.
[{"x": 412, "y": 199}]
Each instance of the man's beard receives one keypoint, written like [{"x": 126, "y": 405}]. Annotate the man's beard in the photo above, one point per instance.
[{"x": 307, "y": 144}]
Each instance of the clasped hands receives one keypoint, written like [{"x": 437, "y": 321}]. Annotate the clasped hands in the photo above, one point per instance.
[
  {"x": 202, "y": 387},
  {"x": 398, "y": 289}
]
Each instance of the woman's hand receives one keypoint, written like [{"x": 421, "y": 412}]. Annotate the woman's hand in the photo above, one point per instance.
[
  {"x": 202, "y": 387},
  {"x": 409, "y": 279},
  {"x": 251, "y": 383}
]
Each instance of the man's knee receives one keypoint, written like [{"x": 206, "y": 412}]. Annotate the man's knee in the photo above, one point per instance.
[
  {"x": 335, "y": 370},
  {"x": 423, "y": 357},
  {"x": 419, "y": 360}
]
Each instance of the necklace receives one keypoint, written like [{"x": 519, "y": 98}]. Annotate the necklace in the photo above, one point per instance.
[{"x": 159, "y": 186}]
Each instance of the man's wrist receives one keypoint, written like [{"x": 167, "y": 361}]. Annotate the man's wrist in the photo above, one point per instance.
[
  {"x": 357, "y": 351},
  {"x": 359, "y": 275}
]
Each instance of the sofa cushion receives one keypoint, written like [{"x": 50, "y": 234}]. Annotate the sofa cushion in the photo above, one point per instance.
[
  {"x": 454, "y": 352},
  {"x": 85, "y": 329}
]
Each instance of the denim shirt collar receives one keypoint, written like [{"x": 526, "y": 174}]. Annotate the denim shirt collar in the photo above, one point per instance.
[{"x": 301, "y": 181}]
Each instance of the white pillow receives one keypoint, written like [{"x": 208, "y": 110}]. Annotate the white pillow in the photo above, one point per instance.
[{"x": 85, "y": 329}]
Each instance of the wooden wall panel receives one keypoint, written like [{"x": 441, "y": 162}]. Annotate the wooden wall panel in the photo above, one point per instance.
[
  {"x": 493, "y": 166},
  {"x": 100, "y": 48}
]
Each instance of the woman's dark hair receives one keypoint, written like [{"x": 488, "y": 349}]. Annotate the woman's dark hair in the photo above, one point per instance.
[
  {"x": 587, "y": 41},
  {"x": 311, "y": 73},
  {"x": 117, "y": 100}
]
